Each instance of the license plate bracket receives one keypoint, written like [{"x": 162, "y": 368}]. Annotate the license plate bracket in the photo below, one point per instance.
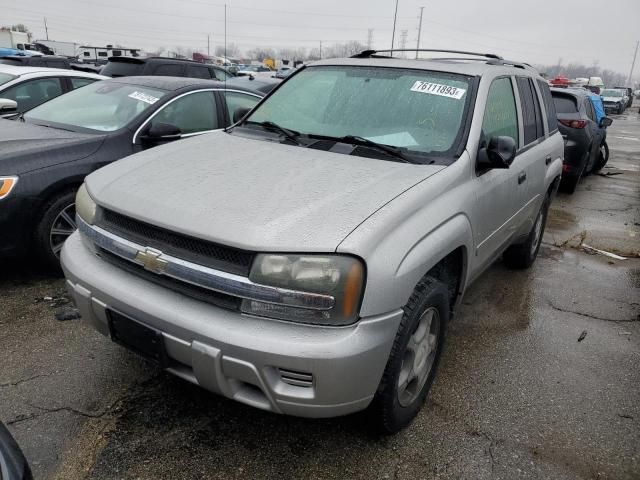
[{"x": 133, "y": 335}]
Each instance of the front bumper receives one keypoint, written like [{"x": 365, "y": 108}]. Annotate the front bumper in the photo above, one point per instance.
[{"x": 248, "y": 359}]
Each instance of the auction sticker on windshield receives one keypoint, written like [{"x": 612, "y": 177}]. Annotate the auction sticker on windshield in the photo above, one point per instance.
[
  {"x": 143, "y": 97},
  {"x": 438, "y": 89}
]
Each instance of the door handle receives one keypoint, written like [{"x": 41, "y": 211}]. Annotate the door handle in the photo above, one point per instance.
[
  {"x": 522, "y": 176},
  {"x": 547, "y": 160}
]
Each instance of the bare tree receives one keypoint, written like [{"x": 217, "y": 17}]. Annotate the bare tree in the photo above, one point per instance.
[
  {"x": 232, "y": 50},
  {"x": 576, "y": 70}
]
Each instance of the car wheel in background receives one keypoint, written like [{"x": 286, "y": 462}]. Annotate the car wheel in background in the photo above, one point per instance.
[
  {"x": 57, "y": 223},
  {"x": 620, "y": 109},
  {"x": 523, "y": 255},
  {"x": 414, "y": 357},
  {"x": 603, "y": 157}
]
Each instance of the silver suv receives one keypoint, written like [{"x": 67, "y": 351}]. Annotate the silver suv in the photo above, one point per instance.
[{"x": 307, "y": 260}]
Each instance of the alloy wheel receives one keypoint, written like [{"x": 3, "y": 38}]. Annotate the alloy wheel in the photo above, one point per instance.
[
  {"x": 62, "y": 227},
  {"x": 419, "y": 357}
]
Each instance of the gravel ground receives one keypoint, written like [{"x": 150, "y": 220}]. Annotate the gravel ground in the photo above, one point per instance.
[{"x": 519, "y": 394}]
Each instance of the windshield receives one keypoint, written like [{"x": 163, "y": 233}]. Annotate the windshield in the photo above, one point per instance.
[
  {"x": 420, "y": 111},
  {"x": 611, "y": 93},
  {"x": 103, "y": 106},
  {"x": 5, "y": 77}
]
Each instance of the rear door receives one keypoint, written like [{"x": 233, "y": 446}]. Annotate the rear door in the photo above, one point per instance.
[
  {"x": 597, "y": 133},
  {"x": 531, "y": 157}
]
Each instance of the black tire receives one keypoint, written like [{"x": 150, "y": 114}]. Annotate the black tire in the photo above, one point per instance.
[
  {"x": 52, "y": 219},
  {"x": 620, "y": 110},
  {"x": 389, "y": 413},
  {"x": 568, "y": 184},
  {"x": 522, "y": 255},
  {"x": 603, "y": 157}
]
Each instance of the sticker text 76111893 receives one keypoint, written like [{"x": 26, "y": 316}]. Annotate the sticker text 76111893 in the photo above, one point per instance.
[{"x": 438, "y": 89}]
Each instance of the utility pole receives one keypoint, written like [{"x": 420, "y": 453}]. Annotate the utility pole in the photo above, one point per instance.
[
  {"x": 370, "y": 39},
  {"x": 393, "y": 34},
  {"x": 225, "y": 35},
  {"x": 45, "y": 28},
  {"x": 320, "y": 49},
  {"x": 403, "y": 42},
  {"x": 633, "y": 64},
  {"x": 419, "y": 32},
  {"x": 208, "y": 47}
]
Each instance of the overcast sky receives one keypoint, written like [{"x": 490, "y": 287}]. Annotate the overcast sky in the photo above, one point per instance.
[{"x": 542, "y": 31}]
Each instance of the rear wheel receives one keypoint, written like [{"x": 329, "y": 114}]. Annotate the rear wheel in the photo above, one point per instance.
[
  {"x": 523, "y": 255},
  {"x": 57, "y": 223},
  {"x": 414, "y": 357},
  {"x": 603, "y": 157}
]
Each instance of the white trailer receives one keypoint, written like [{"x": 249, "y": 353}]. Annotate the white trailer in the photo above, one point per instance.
[
  {"x": 65, "y": 49},
  {"x": 90, "y": 54},
  {"x": 17, "y": 40}
]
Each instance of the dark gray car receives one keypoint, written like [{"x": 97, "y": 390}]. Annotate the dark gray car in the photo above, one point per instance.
[{"x": 46, "y": 154}]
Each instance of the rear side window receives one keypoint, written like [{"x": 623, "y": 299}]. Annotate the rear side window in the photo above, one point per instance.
[
  {"x": 552, "y": 116},
  {"x": 500, "y": 117},
  {"x": 171, "y": 70},
  {"x": 196, "y": 71},
  {"x": 564, "y": 103},
  {"x": 531, "y": 114}
]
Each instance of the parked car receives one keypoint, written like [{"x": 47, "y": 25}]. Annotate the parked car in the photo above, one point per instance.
[
  {"x": 307, "y": 260},
  {"x": 13, "y": 465},
  {"x": 32, "y": 86},
  {"x": 172, "y": 67},
  {"x": 614, "y": 100},
  {"x": 259, "y": 71},
  {"x": 585, "y": 149},
  {"x": 629, "y": 94},
  {"x": 284, "y": 72},
  {"x": 45, "y": 157},
  {"x": 50, "y": 61}
]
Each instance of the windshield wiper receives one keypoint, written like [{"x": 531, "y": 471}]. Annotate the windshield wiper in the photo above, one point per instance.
[
  {"x": 288, "y": 134},
  {"x": 393, "y": 151}
]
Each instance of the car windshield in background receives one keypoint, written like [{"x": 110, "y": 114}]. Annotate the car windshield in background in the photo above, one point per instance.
[
  {"x": 417, "y": 110},
  {"x": 103, "y": 106},
  {"x": 611, "y": 93},
  {"x": 5, "y": 77}
]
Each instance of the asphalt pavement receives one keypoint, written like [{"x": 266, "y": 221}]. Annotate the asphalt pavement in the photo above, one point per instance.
[{"x": 540, "y": 377}]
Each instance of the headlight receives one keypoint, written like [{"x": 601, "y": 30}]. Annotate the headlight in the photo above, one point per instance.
[
  {"x": 85, "y": 206},
  {"x": 6, "y": 185},
  {"x": 340, "y": 276}
]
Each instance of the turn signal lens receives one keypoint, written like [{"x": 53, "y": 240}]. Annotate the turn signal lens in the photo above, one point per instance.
[{"x": 6, "y": 185}]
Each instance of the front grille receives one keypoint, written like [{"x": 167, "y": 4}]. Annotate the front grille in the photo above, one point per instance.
[
  {"x": 202, "y": 252},
  {"x": 205, "y": 295}
]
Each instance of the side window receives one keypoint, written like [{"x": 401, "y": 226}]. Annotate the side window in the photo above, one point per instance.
[
  {"x": 117, "y": 53},
  {"x": 531, "y": 113},
  {"x": 549, "y": 106},
  {"x": 219, "y": 74},
  {"x": 196, "y": 71},
  {"x": 33, "y": 93},
  {"x": 77, "y": 82},
  {"x": 500, "y": 115},
  {"x": 237, "y": 100},
  {"x": 590, "y": 112},
  {"x": 102, "y": 54},
  {"x": 86, "y": 54},
  {"x": 196, "y": 112},
  {"x": 56, "y": 64},
  {"x": 170, "y": 70}
]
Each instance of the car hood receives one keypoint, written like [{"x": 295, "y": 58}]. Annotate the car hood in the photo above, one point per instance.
[
  {"x": 25, "y": 147},
  {"x": 253, "y": 194}
]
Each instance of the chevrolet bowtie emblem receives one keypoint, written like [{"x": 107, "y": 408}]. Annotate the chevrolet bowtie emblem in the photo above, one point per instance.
[{"x": 150, "y": 260}]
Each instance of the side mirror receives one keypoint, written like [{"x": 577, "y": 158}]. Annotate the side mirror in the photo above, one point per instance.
[
  {"x": 500, "y": 153},
  {"x": 605, "y": 122},
  {"x": 161, "y": 132},
  {"x": 240, "y": 113},
  {"x": 8, "y": 106}
]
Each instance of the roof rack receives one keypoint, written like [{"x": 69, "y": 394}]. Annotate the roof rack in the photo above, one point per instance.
[{"x": 371, "y": 53}]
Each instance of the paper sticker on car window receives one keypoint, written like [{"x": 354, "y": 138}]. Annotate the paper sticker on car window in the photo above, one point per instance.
[
  {"x": 143, "y": 97},
  {"x": 438, "y": 89}
]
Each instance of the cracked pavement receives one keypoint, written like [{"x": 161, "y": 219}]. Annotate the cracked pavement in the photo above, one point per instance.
[{"x": 522, "y": 391}]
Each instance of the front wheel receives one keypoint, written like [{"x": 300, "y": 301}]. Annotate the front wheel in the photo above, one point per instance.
[
  {"x": 57, "y": 223},
  {"x": 414, "y": 357},
  {"x": 523, "y": 255}
]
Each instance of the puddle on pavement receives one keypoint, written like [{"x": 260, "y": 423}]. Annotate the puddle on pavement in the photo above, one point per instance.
[{"x": 560, "y": 219}]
